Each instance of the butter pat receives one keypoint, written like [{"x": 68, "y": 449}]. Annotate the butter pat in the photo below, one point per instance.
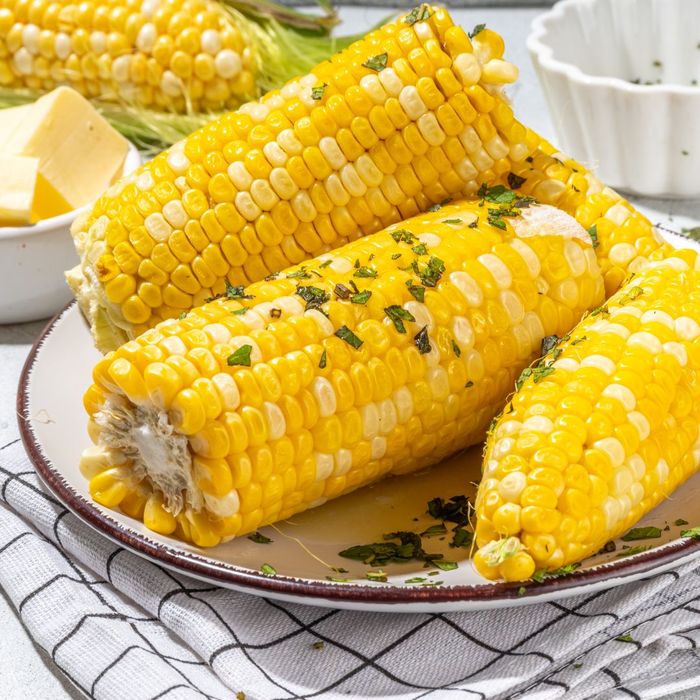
[
  {"x": 19, "y": 175},
  {"x": 9, "y": 120},
  {"x": 80, "y": 154}
]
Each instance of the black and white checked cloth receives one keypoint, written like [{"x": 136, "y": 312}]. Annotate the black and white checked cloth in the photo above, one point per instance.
[{"x": 121, "y": 627}]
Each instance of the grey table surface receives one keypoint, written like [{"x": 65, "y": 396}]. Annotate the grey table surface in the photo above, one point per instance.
[{"x": 26, "y": 671}]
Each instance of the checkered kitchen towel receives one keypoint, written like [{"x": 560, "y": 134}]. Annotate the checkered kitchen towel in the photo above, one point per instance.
[{"x": 121, "y": 627}]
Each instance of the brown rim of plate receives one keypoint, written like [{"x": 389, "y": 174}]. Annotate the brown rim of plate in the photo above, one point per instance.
[{"x": 199, "y": 565}]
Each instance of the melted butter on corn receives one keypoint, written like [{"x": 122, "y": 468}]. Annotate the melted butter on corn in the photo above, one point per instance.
[
  {"x": 581, "y": 454},
  {"x": 289, "y": 393}
]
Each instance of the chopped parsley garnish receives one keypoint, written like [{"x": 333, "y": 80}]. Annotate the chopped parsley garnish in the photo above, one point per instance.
[
  {"x": 456, "y": 349},
  {"x": 454, "y": 510},
  {"x": 299, "y": 274},
  {"x": 323, "y": 361},
  {"x": 326, "y": 263},
  {"x": 318, "y": 90},
  {"x": 657, "y": 63},
  {"x": 498, "y": 194},
  {"x": 337, "y": 579},
  {"x": 625, "y": 638},
  {"x": 422, "y": 341},
  {"x": 579, "y": 340},
  {"x": 477, "y": 30},
  {"x": 258, "y": 538},
  {"x": 415, "y": 579},
  {"x": 377, "y": 62},
  {"x": 540, "y": 372},
  {"x": 549, "y": 342},
  {"x": 522, "y": 590},
  {"x": 474, "y": 223},
  {"x": 445, "y": 565},
  {"x": 240, "y": 356},
  {"x": 694, "y": 533},
  {"x": 361, "y": 297},
  {"x": 379, "y": 576},
  {"x": 396, "y": 256},
  {"x": 268, "y": 569},
  {"x": 236, "y": 292},
  {"x": 635, "y": 550},
  {"x": 540, "y": 576},
  {"x": 469, "y": 384},
  {"x": 313, "y": 296},
  {"x": 496, "y": 221},
  {"x": 365, "y": 271},
  {"x": 403, "y": 235},
  {"x": 641, "y": 533},
  {"x": 430, "y": 275},
  {"x": 435, "y": 531},
  {"x": 692, "y": 233},
  {"x": 607, "y": 548},
  {"x": 416, "y": 291},
  {"x": 454, "y": 222},
  {"x": 318, "y": 645},
  {"x": 398, "y": 315},
  {"x": 420, "y": 249},
  {"x": 241, "y": 311},
  {"x": 271, "y": 276},
  {"x": 344, "y": 333},
  {"x": 527, "y": 372},
  {"x": 342, "y": 291},
  {"x": 600, "y": 310},
  {"x": 515, "y": 181},
  {"x": 680, "y": 522},
  {"x": 182, "y": 316},
  {"x": 593, "y": 233},
  {"x": 462, "y": 538},
  {"x": 631, "y": 295},
  {"x": 417, "y": 14}
]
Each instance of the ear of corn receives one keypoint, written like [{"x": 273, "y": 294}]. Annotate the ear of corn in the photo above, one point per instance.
[
  {"x": 156, "y": 53},
  {"x": 601, "y": 431},
  {"x": 401, "y": 120},
  {"x": 378, "y": 358}
]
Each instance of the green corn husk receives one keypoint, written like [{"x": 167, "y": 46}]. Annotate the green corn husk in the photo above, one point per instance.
[{"x": 288, "y": 42}]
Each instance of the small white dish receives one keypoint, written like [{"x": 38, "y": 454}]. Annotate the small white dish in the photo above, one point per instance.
[
  {"x": 622, "y": 78},
  {"x": 304, "y": 551},
  {"x": 33, "y": 260}
]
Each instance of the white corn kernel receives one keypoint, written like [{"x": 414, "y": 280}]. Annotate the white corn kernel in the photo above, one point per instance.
[
  {"x": 324, "y": 393},
  {"x": 228, "y": 64}
]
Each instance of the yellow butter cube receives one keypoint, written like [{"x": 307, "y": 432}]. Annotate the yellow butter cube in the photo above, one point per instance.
[
  {"x": 19, "y": 175},
  {"x": 80, "y": 154}
]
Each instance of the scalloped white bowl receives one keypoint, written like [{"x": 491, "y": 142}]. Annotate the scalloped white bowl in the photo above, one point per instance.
[
  {"x": 33, "y": 260},
  {"x": 642, "y": 138}
]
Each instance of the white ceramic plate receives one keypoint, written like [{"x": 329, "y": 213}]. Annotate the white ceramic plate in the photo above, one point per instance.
[{"x": 305, "y": 549}]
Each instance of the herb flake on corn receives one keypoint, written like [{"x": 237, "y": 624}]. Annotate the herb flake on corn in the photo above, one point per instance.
[{"x": 214, "y": 425}]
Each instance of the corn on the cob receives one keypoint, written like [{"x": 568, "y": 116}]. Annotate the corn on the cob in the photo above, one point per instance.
[
  {"x": 378, "y": 358},
  {"x": 401, "y": 120},
  {"x": 599, "y": 432},
  {"x": 157, "y": 53}
]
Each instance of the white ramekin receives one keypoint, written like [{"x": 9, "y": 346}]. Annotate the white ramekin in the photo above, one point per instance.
[
  {"x": 642, "y": 138},
  {"x": 33, "y": 260}
]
